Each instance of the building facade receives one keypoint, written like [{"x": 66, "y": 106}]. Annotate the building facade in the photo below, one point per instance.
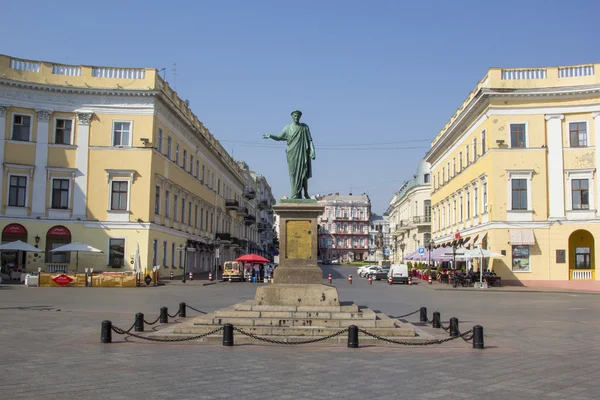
[
  {"x": 265, "y": 217},
  {"x": 379, "y": 224},
  {"x": 410, "y": 214},
  {"x": 514, "y": 171},
  {"x": 344, "y": 227},
  {"x": 114, "y": 158}
]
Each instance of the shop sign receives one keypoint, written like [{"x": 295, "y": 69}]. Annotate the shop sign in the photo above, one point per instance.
[
  {"x": 59, "y": 231},
  {"x": 62, "y": 280},
  {"x": 14, "y": 229}
]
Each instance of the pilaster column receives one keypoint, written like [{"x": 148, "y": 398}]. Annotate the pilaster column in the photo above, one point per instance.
[
  {"x": 38, "y": 203},
  {"x": 596, "y": 117},
  {"x": 81, "y": 163},
  {"x": 3, "y": 109},
  {"x": 556, "y": 178}
]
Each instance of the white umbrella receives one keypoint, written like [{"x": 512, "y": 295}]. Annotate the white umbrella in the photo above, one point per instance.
[
  {"x": 77, "y": 247},
  {"x": 481, "y": 253},
  {"x": 19, "y": 246}
]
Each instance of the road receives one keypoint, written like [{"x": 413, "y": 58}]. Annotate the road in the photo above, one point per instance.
[{"x": 539, "y": 345}]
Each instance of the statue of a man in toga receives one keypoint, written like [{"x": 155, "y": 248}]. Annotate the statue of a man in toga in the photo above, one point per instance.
[{"x": 300, "y": 151}]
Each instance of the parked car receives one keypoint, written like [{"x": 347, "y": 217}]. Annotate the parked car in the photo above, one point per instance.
[
  {"x": 398, "y": 273},
  {"x": 382, "y": 273},
  {"x": 368, "y": 270},
  {"x": 335, "y": 262}
]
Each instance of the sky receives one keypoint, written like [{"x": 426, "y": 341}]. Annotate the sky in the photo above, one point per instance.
[{"x": 376, "y": 80}]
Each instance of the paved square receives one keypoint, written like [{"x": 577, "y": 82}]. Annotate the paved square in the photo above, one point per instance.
[{"x": 539, "y": 345}]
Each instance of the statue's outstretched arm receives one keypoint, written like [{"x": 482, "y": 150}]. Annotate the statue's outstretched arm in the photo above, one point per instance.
[{"x": 282, "y": 136}]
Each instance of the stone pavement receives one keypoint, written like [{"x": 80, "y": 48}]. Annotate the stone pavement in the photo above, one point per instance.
[{"x": 539, "y": 346}]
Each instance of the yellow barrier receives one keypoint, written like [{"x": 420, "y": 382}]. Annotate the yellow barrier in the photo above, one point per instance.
[{"x": 112, "y": 279}]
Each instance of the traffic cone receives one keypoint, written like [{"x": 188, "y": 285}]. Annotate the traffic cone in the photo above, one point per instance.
[
  {"x": 409, "y": 281},
  {"x": 330, "y": 278},
  {"x": 350, "y": 279},
  {"x": 390, "y": 280},
  {"x": 429, "y": 280},
  {"x": 370, "y": 280},
  {"x": 191, "y": 276},
  {"x": 171, "y": 276},
  {"x": 229, "y": 278},
  {"x": 210, "y": 276}
]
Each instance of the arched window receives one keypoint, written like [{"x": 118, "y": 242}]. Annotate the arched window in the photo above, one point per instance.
[{"x": 55, "y": 237}]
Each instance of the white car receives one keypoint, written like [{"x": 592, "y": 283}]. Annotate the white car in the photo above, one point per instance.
[{"x": 368, "y": 270}]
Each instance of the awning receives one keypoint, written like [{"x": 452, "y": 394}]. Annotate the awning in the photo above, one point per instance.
[
  {"x": 478, "y": 242},
  {"x": 522, "y": 237}
]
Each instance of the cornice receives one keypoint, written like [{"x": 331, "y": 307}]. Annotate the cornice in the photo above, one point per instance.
[{"x": 78, "y": 89}]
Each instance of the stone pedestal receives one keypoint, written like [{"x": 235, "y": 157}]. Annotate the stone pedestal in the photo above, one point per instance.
[
  {"x": 298, "y": 278},
  {"x": 379, "y": 255}
]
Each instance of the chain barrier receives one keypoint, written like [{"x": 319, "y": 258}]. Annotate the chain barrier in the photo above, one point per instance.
[
  {"x": 407, "y": 315},
  {"x": 174, "y": 315},
  {"x": 444, "y": 328},
  {"x": 129, "y": 330},
  {"x": 152, "y": 323},
  {"x": 120, "y": 331},
  {"x": 253, "y": 336},
  {"x": 467, "y": 339},
  {"x": 195, "y": 309},
  {"x": 438, "y": 341}
]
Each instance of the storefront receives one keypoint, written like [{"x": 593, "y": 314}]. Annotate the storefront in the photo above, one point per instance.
[
  {"x": 13, "y": 262},
  {"x": 55, "y": 237}
]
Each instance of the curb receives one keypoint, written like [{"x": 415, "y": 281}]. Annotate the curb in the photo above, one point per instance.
[{"x": 508, "y": 290}]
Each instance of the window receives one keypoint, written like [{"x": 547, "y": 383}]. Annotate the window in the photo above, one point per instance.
[
  {"x": 185, "y": 160},
  {"x": 475, "y": 201},
  {"x": 519, "y": 194},
  {"x": 17, "y": 192},
  {"x": 578, "y": 134},
  {"x": 483, "y": 149},
  {"x": 165, "y": 254},
  {"x": 60, "y": 194},
  {"x": 438, "y": 179},
  {"x": 62, "y": 134},
  {"x": 582, "y": 258},
  {"x": 196, "y": 216},
  {"x": 155, "y": 252},
  {"x": 197, "y": 168},
  {"x": 191, "y": 164},
  {"x": 454, "y": 166},
  {"x": 468, "y": 156},
  {"x": 157, "y": 201},
  {"x": 580, "y": 194},
  {"x": 159, "y": 143},
  {"x": 474, "y": 149},
  {"x": 427, "y": 207},
  {"x": 119, "y": 195},
  {"x": 485, "y": 199},
  {"x": 426, "y": 178},
  {"x": 177, "y": 153},
  {"x": 443, "y": 175},
  {"x": 460, "y": 161},
  {"x": 173, "y": 255},
  {"x": 202, "y": 219},
  {"x": 182, "y": 210},
  {"x": 448, "y": 169},
  {"x": 203, "y": 174},
  {"x": 218, "y": 186},
  {"x": 518, "y": 135},
  {"x": 190, "y": 213},
  {"x": 206, "y": 221},
  {"x": 21, "y": 128},
  {"x": 180, "y": 259},
  {"x": 468, "y": 208},
  {"x": 121, "y": 133},
  {"x": 520, "y": 259},
  {"x": 175, "y": 205},
  {"x": 461, "y": 215},
  {"x": 434, "y": 183},
  {"x": 212, "y": 185},
  {"x": 167, "y": 203},
  {"x": 116, "y": 253},
  {"x": 169, "y": 147}
]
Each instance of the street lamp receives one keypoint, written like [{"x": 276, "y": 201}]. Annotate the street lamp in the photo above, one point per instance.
[
  {"x": 218, "y": 246},
  {"x": 402, "y": 247},
  {"x": 184, "y": 249},
  {"x": 429, "y": 245}
]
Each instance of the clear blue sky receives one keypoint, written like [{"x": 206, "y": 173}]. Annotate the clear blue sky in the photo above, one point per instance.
[{"x": 387, "y": 74}]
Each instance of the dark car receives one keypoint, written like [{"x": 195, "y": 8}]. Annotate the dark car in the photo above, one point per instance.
[{"x": 381, "y": 273}]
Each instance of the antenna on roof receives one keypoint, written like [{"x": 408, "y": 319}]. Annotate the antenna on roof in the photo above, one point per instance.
[{"x": 175, "y": 76}]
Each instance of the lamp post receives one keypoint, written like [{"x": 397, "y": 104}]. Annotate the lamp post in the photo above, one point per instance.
[
  {"x": 218, "y": 247},
  {"x": 402, "y": 247},
  {"x": 454, "y": 247},
  {"x": 429, "y": 244},
  {"x": 184, "y": 249}
]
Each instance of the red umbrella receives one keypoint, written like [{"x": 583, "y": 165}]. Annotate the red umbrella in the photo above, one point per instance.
[{"x": 252, "y": 258}]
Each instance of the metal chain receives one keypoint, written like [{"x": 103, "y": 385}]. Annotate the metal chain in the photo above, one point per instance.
[
  {"x": 195, "y": 309},
  {"x": 253, "y": 336},
  {"x": 407, "y": 315},
  {"x": 467, "y": 339},
  {"x": 152, "y": 323},
  {"x": 174, "y": 315},
  {"x": 439, "y": 341},
  {"x": 122, "y": 332},
  {"x": 444, "y": 328}
]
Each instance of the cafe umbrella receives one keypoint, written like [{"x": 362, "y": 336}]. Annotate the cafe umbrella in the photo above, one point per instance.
[
  {"x": 76, "y": 247},
  {"x": 19, "y": 246},
  {"x": 481, "y": 253}
]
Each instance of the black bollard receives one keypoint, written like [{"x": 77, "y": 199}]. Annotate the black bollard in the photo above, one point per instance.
[
  {"x": 453, "y": 326},
  {"x": 182, "y": 309},
  {"x": 227, "y": 335},
  {"x": 478, "y": 337},
  {"x": 164, "y": 315},
  {"x": 106, "y": 335},
  {"x": 139, "y": 322},
  {"x": 423, "y": 317},
  {"x": 436, "y": 320},
  {"x": 353, "y": 337}
]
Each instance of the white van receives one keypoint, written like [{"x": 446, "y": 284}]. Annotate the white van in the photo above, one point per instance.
[{"x": 398, "y": 273}]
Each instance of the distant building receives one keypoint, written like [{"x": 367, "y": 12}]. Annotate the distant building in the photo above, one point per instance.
[
  {"x": 410, "y": 213},
  {"x": 344, "y": 227},
  {"x": 379, "y": 223}
]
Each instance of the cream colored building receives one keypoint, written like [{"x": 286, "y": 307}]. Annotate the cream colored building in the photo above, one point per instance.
[
  {"x": 410, "y": 214},
  {"x": 114, "y": 158},
  {"x": 515, "y": 171}
]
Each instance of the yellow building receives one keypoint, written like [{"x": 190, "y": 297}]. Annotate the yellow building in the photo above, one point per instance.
[
  {"x": 514, "y": 171},
  {"x": 112, "y": 157}
]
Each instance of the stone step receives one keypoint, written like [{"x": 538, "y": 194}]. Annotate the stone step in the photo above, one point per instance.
[
  {"x": 229, "y": 313},
  {"x": 364, "y": 323},
  {"x": 400, "y": 331},
  {"x": 249, "y": 306}
]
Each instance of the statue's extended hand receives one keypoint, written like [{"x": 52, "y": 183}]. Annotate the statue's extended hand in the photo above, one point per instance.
[
  {"x": 312, "y": 155},
  {"x": 267, "y": 136}
]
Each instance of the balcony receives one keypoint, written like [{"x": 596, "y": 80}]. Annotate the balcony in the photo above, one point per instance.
[
  {"x": 224, "y": 236},
  {"x": 242, "y": 211},
  {"x": 249, "y": 193},
  {"x": 422, "y": 220},
  {"x": 232, "y": 204},
  {"x": 249, "y": 219},
  {"x": 263, "y": 205}
]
